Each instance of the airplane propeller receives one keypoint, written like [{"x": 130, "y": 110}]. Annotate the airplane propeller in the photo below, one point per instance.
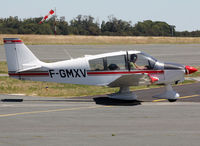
[{"x": 190, "y": 69}]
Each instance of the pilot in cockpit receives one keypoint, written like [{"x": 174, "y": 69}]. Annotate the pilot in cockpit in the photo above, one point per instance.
[{"x": 133, "y": 65}]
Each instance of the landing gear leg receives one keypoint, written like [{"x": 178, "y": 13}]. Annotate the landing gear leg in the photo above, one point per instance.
[
  {"x": 169, "y": 94},
  {"x": 123, "y": 94}
]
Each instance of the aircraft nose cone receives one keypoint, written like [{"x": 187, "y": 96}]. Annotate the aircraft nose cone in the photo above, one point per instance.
[{"x": 190, "y": 69}]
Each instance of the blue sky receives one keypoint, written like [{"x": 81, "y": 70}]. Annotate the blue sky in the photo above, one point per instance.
[{"x": 184, "y": 14}]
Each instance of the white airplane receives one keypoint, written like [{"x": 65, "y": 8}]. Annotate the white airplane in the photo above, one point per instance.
[{"x": 117, "y": 69}]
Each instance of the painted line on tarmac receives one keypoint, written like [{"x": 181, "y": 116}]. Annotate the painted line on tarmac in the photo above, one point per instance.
[
  {"x": 189, "y": 96},
  {"x": 164, "y": 86},
  {"x": 48, "y": 111},
  {"x": 159, "y": 100}
]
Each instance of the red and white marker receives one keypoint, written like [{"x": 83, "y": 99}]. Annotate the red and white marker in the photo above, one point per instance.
[{"x": 45, "y": 17}]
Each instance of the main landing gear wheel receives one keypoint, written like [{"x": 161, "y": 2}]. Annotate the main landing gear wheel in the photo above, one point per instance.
[{"x": 123, "y": 94}]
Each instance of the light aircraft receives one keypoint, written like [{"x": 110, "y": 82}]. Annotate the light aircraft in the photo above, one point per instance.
[{"x": 117, "y": 69}]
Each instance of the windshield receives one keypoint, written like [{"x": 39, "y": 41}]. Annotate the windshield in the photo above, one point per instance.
[
  {"x": 149, "y": 56},
  {"x": 141, "y": 61}
]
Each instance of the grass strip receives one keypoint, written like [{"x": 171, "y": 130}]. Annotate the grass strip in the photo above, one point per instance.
[
  {"x": 47, "y": 89},
  {"x": 98, "y": 40}
]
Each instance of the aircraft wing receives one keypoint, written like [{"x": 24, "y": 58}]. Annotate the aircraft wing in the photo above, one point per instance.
[{"x": 133, "y": 80}]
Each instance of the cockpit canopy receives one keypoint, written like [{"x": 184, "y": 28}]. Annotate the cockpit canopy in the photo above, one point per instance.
[
  {"x": 123, "y": 61},
  {"x": 145, "y": 60}
]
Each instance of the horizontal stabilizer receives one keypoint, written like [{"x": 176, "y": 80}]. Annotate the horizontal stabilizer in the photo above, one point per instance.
[{"x": 28, "y": 67}]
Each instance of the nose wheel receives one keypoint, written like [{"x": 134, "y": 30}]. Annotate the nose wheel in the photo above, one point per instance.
[
  {"x": 172, "y": 100},
  {"x": 169, "y": 94}
]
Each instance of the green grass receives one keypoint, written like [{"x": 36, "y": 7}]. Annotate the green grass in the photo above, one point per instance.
[
  {"x": 14, "y": 86},
  {"x": 3, "y": 67}
]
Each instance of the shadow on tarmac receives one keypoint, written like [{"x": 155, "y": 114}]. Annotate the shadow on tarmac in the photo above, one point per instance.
[
  {"x": 115, "y": 102},
  {"x": 98, "y": 100}
]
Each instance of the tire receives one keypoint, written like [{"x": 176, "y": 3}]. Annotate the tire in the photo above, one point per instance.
[{"x": 172, "y": 100}]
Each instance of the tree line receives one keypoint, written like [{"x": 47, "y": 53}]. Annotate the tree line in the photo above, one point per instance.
[{"x": 87, "y": 25}]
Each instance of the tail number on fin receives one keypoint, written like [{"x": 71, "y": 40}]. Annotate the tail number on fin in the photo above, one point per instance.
[{"x": 68, "y": 73}]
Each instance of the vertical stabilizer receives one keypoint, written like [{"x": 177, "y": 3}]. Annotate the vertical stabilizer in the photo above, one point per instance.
[{"x": 19, "y": 57}]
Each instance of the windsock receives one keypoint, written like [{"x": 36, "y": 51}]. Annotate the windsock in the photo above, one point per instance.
[{"x": 45, "y": 17}]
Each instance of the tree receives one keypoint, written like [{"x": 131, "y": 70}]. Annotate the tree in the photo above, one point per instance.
[
  {"x": 150, "y": 28},
  {"x": 63, "y": 26},
  {"x": 116, "y": 27},
  {"x": 84, "y": 25}
]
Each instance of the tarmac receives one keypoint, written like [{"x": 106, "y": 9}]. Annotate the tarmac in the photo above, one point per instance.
[
  {"x": 187, "y": 54},
  {"x": 98, "y": 120}
]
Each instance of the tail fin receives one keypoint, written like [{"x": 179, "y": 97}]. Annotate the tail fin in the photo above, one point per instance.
[{"x": 19, "y": 57}]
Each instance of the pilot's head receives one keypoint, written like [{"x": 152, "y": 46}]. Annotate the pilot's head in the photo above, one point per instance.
[{"x": 133, "y": 58}]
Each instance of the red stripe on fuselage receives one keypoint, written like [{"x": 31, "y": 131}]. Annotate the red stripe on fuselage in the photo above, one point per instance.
[
  {"x": 28, "y": 74},
  {"x": 125, "y": 72}
]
